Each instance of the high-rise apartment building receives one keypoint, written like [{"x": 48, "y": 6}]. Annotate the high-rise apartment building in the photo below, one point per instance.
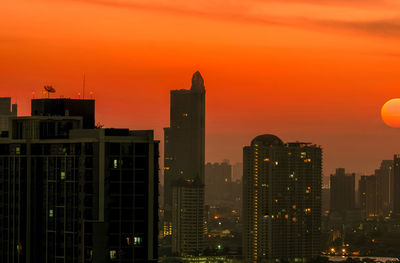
[
  {"x": 342, "y": 190},
  {"x": 184, "y": 168},
  {"x": 188, "y": 229},
  {"x": 7, "y": 110},
  {"x": 69, "y": 194},
  {"x": 281, "y": 200}
]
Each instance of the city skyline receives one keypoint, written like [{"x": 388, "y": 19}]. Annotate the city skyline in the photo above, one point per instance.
[{"x": 306, "y": 76}]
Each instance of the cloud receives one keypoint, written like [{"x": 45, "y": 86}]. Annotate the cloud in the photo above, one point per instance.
[
  {"x": 389, "y": 28},
  {"x": 332, "y": 2},
  {"x": 228, "y": 13},
  {"x": 233, "y": 11}
]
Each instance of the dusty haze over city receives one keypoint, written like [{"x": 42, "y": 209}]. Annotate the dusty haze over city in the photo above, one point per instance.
[{"x": 315, "y": 71}]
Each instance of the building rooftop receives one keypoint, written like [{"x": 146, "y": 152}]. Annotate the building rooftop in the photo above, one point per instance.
[{"x": 267, "y": 140}]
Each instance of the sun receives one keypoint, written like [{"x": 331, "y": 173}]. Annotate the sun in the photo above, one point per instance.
[{"x": 391, "y": 113}]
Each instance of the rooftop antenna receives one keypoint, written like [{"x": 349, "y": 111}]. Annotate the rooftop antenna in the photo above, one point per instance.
[
  {"x": 83, "y": 87},
  {"x": 49, "y": 89}
]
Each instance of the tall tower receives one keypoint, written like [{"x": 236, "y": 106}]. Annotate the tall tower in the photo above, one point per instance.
[
  {"x": 281, "y": 200},
  {"x": 184, "y": 168}
]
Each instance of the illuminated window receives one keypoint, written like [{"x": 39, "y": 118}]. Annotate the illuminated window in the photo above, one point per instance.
[
  {"x": 63, "y": 175},
  {"x": 51, "y": 213},
  {"x": 113, "y": 254},
  {"x": 266, "y": 159},
  {"x": 115, "y": 163},
  {"x": 18, "y": 150},
  {"x": 185, "y": 115},
  {"x": 137, "y": 241}
]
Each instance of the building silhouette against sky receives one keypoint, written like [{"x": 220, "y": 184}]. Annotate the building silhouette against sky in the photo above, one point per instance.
[
  {"x": 281, "y": 200},
  {"x": 69, "y": 194},
  {"x": 218, "y": 181},
  {"x": 396, "y": 185},
  {"x": 342, "y": 191},
  {"x": 184, "y": 169},
  {"x": 66, "y": 107}
]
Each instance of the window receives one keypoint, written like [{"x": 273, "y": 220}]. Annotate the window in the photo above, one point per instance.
[
  {"x": 137, "y": 241},
  {"x": 63, "y": 175},
  {"x": 51, "y": 213},
  {"x": 113, "y": 254},
  {"x": 115, "y": 163}
]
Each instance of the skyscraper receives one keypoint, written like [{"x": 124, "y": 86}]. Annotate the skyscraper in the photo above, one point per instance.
[
  {"x": 342, "y": 190},
  {"x": 281, "y": 200},
  {"x": 7, "y": 110},
  {"x": 69, "y": 194},
  {"x": 184, "y": 167}
]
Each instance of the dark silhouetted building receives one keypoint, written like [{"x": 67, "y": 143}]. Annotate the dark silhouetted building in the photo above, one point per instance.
[
  {"x": 281, "y": 200},
  {"x": 384, "y": 184},
  {"x": 325, "y": 196},
  {"x": 368, "y": 196},
  {"x": 237, "y": 171},
  {"x": 342, "y": 190},
  {"x": 66, "y": 107},
  {"x": 396, "y": 185},
  {"x": 77, "y": 195},
  {"x": 7, "y": 110},
  {"x": 184, "y": 169}
]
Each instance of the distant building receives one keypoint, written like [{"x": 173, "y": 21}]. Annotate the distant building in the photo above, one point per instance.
[
  {"x": 396, "y": 185},
  {"x": 342, "y": 190},
  {"x": 326, "y": 196},
  {"x": 218, "y": 182},
  {"x": 66, "y": 107},
  {"x": 7, "y": 110},
  {"x": 237, "y": 171},
  {"x": 74, "y": 195},
  {"x": 184, "y": 154},
  {"x": 384, "y": 177},
  {"x": 368, "y": 191},
  {"x": 281, "y": 200}
]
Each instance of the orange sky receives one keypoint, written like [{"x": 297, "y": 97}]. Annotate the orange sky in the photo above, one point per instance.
[{"x": 309, "y": 70}]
